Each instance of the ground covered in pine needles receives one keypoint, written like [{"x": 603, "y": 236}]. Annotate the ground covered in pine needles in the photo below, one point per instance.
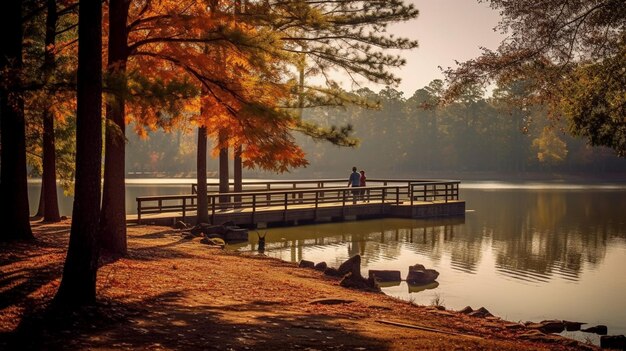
[{"x": 175, "y": 293}]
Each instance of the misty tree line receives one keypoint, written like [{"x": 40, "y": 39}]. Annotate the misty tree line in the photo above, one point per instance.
[{"x": 409, "y": 136}]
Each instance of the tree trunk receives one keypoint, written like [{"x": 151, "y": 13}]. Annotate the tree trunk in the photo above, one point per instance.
[
  {"x": 41, "y": 201},
  {"x": 14, "y": 212},
  {"x": 78, "y": 284},
  {"x": 237, "y": 164},
  {"x": 203, "y": 202},
  {"x": 113, "y": 215},
  {"x": 49, "y": 179},
  {"x": 223, "y": 158},
  {"x": 237, "y": 174}
]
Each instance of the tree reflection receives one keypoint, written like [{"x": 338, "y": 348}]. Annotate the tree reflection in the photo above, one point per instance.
[{"x": 533, "y": 235}]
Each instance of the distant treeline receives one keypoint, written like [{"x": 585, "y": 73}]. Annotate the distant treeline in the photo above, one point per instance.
[{"x": 415, "y": 136}]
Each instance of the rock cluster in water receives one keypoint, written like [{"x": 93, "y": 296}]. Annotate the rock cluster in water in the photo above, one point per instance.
[
  {"x": 349, "y": 271},
  {"x": 418, "y": 275},
  {"x": 214, "y": 234}
]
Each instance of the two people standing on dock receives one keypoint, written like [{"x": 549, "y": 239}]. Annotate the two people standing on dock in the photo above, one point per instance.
[{"x": 357, "y": 179}]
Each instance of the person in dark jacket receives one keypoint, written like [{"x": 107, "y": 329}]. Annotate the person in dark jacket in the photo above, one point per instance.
[{"x": 354, "y": 181}]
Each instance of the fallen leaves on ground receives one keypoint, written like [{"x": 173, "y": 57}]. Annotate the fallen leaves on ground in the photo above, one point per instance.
[{"x": 174, "y": 293}]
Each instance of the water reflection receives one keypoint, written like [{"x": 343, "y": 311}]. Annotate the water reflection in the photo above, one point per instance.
[
  {"x": 542, "y": 233},
  {"x": 418, "y": 288},
  {"x": 375, "y": 240},
  {"x": 534, "y": 235},
  {"x": 526, "y": 254}
]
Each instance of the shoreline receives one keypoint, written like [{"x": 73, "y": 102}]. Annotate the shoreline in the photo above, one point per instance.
[{"x": 176, "y": 293}]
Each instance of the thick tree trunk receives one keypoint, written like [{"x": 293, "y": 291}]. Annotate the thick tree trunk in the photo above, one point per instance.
[
  {"x": 113, "y": 214},
  {"x": 14, "y": 212},
  {"x": 49, "y": 179},
  {"x": 223, "y": 171},
  {"x": 78, "y": 284},
  {"x": 237, "y": 174},
  {"x": 201, "y": 162}
]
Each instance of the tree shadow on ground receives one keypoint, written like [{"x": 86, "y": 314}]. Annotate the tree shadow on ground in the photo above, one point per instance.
[
  {"x": 165, "y": 321},
  {"x": 25, "y": 267},
  {"x": 17, "y": 285},
  {"x": 149, "y": 253}
]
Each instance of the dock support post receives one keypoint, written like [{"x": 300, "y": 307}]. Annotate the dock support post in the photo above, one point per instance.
[{"x": 138, "y": 211}]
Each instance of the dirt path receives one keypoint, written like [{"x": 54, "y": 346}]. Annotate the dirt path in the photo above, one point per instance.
[{"x": 173, "y": 293}]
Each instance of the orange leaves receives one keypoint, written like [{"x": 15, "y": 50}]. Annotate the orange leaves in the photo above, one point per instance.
[
  {"x": 238, "y": 67},
  {"x": 279, "y": 156}
]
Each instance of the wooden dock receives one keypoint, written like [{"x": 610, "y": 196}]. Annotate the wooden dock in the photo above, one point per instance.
[{"x": 294, "y": 202}]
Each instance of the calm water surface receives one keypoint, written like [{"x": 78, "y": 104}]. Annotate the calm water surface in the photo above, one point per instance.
[
  {"x": 530, "y": 251},
  {"x": 526, "y": 253}
]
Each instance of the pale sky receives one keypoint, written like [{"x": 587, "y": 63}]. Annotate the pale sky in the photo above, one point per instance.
[{"x": 447, "y": 30}]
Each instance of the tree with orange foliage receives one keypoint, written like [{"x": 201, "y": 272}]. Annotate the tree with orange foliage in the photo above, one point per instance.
[{"x": 247, "y": 72}]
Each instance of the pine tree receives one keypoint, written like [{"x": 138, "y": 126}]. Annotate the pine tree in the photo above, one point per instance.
[
  {"x": 49, "y": 183},
  {"x": 14, "y": 211},
  {"x": 112, "y": 230},
  {"x": 78, "y": 284}
]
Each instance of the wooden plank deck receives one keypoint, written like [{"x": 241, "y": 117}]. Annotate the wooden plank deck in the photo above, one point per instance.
[{"x": 309, "y": 212}]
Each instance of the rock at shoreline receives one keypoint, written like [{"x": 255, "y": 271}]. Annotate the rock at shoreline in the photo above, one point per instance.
[
  {"x": 417, "y": 267},
  {"x": 466, "y": 310},
  {"x": 206, "y": 229},
  {"x": 419, "y": 275},
  {"x": 548, "y": 326},
  {"x": 321, "y": 266},
  {"x": 306, "y": 264},
  {"x": 572, "y": 326},
  {"x": 385, "y": 275},
  {"x": 598, "y": 329},
  {"x": 356, "y": 281},
  {"x": 330, "y": 271},
  {"x": 614, "y": 342},
  {"x": 196, "y": 231},
  {"x": 352, "y": 265},
  {"x": 480, "y": 313},
  {"x": 236, "y": 234}
]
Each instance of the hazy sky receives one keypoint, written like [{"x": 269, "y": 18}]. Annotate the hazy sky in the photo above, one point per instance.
[{"x": 446, "y": 30}]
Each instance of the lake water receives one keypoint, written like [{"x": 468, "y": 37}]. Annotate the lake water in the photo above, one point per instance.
[{"x": 526, "y": 252}]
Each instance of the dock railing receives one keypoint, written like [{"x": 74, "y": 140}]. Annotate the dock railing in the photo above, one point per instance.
[
  {"x": 434, "y": 191},
  {"x": 303, "y": 194},
  {"x": 268, "y": 185}
]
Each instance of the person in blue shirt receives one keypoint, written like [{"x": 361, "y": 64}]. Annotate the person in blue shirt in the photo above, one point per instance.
[{"x": 354, "y": 181}]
